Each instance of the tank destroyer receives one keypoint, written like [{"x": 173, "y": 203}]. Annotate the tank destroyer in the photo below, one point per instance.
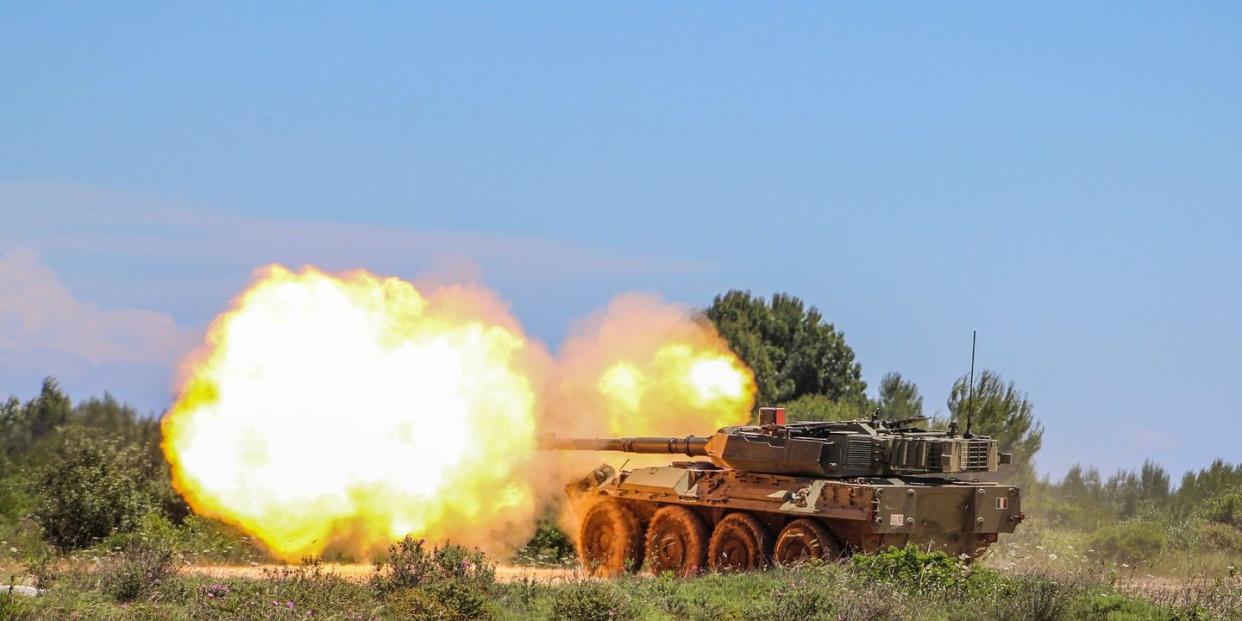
[{"x": 787, "y": 493}]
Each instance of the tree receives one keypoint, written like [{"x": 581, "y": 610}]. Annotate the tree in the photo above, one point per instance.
[
  {"x": 790, "y": 347},
  {"x": 1002, "y": 412},
  {"x": 821, "y": 408},
  {"x": 899, "y": 399},
  {"x": 21, "y": 426},
  {"x": 91, "y": 487}
]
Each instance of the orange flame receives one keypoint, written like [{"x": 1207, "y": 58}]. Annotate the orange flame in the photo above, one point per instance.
[
  {"x": 338, "y": 413},
  {"x": 341, "y": 413},
  {"x": 647, "y": 367}
]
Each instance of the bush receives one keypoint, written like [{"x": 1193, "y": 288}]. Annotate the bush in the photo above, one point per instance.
[
  {"x": 912, "y": 569},
  {"x": 138, "y": 571},
  {"x": 1221, "y": 537},
  {"x": 1116, "y": 607},
  {"x": 588, "y": 600},
  {"x": 797, "y": 600},
  {"x": 548, "y": 546},
  {"x": 1130, "y": 542},
  {"x": 12, "y": 606},
  {"x": 449, "y": 582},
  {"x": 1225, "y": 508},
  {"x": 1033, "y": 598},
  {"x": 90, "y": 488},
  {"x": 410, "y": 565}
]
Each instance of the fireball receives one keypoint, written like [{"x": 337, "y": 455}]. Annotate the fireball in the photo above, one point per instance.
[
  {"x": 648, "y": 367},
  {"x": 341, "y": 412}
]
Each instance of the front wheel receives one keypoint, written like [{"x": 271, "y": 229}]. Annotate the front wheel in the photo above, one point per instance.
[{"x": 611, "y": 540}]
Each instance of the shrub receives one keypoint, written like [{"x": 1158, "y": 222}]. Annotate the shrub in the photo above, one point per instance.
[
  {"x": 452, "y": 582},
  {"x": 138, "y": 571},
  {"x": 1225, "y": 508},
  {"x": 1033, "y": 598},
  {"x": 1221, "y": 536},
  {"x": 409, "y": 564},
  {"x": 913, "y": 569},
  {"x": 797, "y": 600},
  {"x": 548, "y": 546},
  {"x": 90, "y": 488},
  {"x": 587, "y": 600},
  {"x": 1131, "y": 542},
  {"x": 1116, "y": 607},
  {"x": 12, "y": 606}
]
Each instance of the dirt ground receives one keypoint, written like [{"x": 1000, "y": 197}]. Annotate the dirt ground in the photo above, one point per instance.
[{"x": 363, "y": 571}]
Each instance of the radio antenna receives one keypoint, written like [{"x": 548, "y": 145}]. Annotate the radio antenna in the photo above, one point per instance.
[{"x": 970, "y": 399}]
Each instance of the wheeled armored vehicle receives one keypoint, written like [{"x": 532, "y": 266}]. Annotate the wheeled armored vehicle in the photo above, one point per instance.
[{"x": 787, "y": 493}]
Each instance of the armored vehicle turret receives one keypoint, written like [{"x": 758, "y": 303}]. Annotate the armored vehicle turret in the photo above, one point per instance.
[{"x": 786, "y": 493}]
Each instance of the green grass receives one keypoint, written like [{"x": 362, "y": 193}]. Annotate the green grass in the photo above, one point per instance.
[{"x": 436, "y": 584}]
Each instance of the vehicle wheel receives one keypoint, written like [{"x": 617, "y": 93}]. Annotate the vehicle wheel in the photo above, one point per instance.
[
  {"x": 805, "y": 539},
  {"x": 611, "y": 540},
  {"x": 740, "y": 542},
  {"x": 676, "y": 542}
]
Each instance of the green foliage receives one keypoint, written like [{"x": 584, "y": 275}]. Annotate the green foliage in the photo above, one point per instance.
[
  {"x": 589, "y": 600},
  {"x": 1130, "y": 542},
  {"x": 1221, "y": 537},
  {"x": 1002, "y": 412},
  {"x": 140, "y": 570},
  {"x": 819, "y": 407},
  {"x": 914, "y": 569},
  {"x": 1032, "y": 598},
  {"x": 1225, "y": 508},
  {"x": 14, "y": 497},
  {"x": 791, "y": 348},
  {"x": 453, "y": 582},
  {"x": 798, "y": 599},
  {"x": 1117, "y": 607},
  {"x": 13, "y": 607},
  {"x": 899, "y": 398},
  {"x": 21, "y": 427},
  {"x": 548, "y": 546},
  {"x": 1199, "y": 487},
  {"x": 90, "y": 487},
  {"x": 196, "y": 538}
]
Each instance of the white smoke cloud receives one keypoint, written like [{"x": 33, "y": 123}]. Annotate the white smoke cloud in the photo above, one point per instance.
[{"x": 39, "y": 316}]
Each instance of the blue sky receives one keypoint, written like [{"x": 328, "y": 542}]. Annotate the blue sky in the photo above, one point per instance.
[{"x": 1065, "y": 179}]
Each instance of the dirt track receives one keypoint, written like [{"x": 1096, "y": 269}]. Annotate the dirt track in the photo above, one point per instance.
[{"x": 362, "y": 571}]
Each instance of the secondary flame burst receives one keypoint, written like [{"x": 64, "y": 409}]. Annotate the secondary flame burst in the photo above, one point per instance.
[{"x": 342, "y": 412}]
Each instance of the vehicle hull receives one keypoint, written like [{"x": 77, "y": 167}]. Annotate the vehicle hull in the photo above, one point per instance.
[{"x": 960, "y": 517}]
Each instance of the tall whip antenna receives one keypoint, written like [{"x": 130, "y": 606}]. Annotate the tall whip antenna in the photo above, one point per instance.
[{"x": 970, "y": 399}]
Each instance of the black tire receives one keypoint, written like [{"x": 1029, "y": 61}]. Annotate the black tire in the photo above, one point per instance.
[
  {"x": 611, "y": 540},
  {"x": 740, "y": 542},
  {"x": 803, "y": 540},
  {"x": 676, "y": 542}
]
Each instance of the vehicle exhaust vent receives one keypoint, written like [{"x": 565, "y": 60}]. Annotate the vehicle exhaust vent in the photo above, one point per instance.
[
  {"x": 859, "y": 452},
  {"x": 977, "y": 455}
]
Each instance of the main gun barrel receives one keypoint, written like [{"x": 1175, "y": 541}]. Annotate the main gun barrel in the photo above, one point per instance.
[{"x": 694, "y": 446}]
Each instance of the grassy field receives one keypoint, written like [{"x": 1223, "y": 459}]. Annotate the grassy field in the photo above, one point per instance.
[{"x": 150, "y": 582}]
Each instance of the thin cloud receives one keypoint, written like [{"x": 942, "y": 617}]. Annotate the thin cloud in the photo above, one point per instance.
[
  {"x": 56, "y": 218},
  {"x": 39, "y": 316}
]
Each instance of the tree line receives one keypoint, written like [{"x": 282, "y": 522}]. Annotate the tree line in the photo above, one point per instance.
[{"x": 79, "y": 473}]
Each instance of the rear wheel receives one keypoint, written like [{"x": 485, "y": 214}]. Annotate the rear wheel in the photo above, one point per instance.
[
  {"x": 740, "y": 542},
  {"x": 676, "y": 541},
  {"x": 611, "y": 540},
  {"x": 803, "y": 540}
]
